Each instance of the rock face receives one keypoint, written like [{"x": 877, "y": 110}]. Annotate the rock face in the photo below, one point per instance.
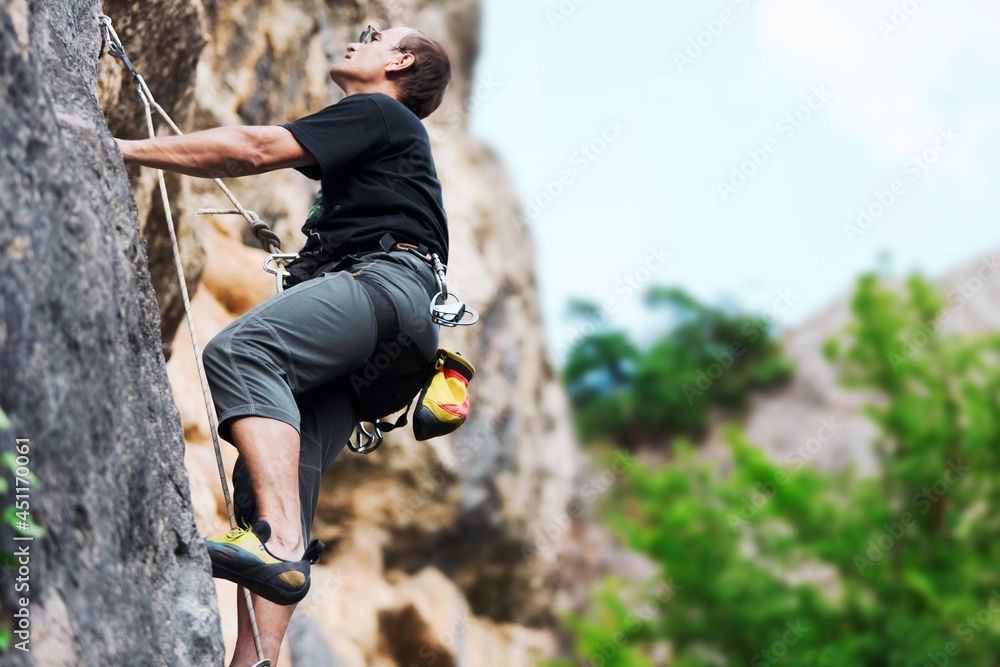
[
  {"x": 120, "y": 576},
  {"x": 176, "y": 28}
]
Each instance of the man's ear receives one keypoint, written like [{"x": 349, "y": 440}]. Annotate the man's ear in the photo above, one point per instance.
[{"x": 405, "y": 62}]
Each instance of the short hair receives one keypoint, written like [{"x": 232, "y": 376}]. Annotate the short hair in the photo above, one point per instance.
[{"x": 421, "y": 86}]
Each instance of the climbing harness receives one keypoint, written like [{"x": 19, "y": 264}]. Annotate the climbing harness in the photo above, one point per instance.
[
  {"x": 267, "y": 238},
  {"x": 443, "y": 312}
]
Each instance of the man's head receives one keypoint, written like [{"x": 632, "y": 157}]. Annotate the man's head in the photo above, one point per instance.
[{"x": 407, "y": 64}]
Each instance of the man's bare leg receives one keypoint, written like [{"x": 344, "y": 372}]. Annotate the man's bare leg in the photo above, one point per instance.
[
  {"x": 270, "y": 449},
  {"x": 272, "y": 622}
]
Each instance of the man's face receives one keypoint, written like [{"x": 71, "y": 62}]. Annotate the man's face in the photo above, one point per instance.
[{"x": 368, "y": 63}]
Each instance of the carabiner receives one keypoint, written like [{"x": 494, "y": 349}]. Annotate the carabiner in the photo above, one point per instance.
[
  {"x": 278, "y": 271},
  {"x": 363, "y": 439},
  {"x": 452, "y": 314}
]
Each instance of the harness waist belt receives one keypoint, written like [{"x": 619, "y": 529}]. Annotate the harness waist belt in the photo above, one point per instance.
[{"x": 308, "y": 267}]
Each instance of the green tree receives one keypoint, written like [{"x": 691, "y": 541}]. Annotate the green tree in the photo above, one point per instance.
[
  {"x": 781, "y": 565},
  {"x": 706, "y": 358},
  {"x": 599, "y": 377}
]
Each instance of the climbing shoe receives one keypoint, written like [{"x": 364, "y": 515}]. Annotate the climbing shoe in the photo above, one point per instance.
[{"x": 242, "y": 557}]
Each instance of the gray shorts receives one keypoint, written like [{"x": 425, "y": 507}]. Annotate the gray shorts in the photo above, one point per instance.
[{"x": 300, "y": 356}]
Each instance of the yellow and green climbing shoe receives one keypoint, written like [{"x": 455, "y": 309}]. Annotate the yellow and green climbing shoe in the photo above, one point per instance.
[{"x": 242, "y": 557}]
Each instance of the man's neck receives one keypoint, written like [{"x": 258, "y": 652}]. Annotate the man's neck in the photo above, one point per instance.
[{"x": 383, "y": 87}]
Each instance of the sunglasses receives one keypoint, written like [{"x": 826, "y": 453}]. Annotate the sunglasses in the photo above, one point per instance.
[{"x": 370, "y": 33}]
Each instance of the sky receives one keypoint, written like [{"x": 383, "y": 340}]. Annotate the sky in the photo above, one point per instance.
[{"x": 757, "y": 153}]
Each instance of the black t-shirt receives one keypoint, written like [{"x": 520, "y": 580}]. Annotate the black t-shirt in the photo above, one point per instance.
[{"x": 377, "y": 175}]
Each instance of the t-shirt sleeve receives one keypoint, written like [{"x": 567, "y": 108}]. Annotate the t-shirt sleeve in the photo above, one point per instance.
[{"x": 340, "y": 134}]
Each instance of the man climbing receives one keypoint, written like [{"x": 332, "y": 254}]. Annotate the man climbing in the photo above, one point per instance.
[{"x": 284, "y": 376}]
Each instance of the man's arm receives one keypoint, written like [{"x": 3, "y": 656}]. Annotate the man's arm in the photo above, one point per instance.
[{"x": 224, "y": 152}]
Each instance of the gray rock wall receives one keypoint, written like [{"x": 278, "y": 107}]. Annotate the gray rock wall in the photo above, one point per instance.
[{"x": 120, "y": 577}]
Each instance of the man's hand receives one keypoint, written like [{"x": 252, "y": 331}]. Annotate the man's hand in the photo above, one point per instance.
[{"x": 225, "y": 152}]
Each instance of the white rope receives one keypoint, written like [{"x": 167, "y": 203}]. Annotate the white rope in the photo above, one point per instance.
[{"x": 147, "y": 103}]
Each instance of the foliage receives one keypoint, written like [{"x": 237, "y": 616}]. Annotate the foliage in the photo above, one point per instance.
[
  {"x": 709, "y": 358},
  {"x": 592, "y": 637},
  {"x": 780, "y": 565}
]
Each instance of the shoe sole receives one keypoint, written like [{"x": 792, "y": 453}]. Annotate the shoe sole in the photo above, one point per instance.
[
  {"x": 281, "y": 595},
  {"x": 267, "y": 591}
]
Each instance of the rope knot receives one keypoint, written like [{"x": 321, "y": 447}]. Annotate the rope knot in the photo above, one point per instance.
[{"x": 268, "y": 240}]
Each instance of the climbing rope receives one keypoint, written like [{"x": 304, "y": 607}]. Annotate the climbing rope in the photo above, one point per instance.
[{"x": 268, "y": 240}]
